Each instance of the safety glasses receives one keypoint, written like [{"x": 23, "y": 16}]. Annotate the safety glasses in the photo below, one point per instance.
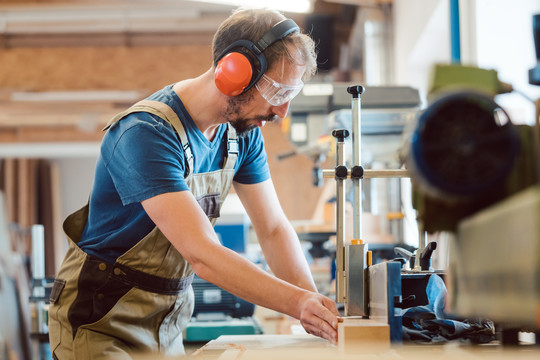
[{"x": 275, "y": 93}]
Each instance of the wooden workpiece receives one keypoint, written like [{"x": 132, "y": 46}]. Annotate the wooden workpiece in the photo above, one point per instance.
[{"x": 356, "y": 334}]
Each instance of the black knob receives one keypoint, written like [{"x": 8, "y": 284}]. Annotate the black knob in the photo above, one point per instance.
[
  {"x": 356, "y": 90},
  {"x": 341, "y": 172},
  {"x": 340, "y": 134},
  {"x": 357, "y": 172}
]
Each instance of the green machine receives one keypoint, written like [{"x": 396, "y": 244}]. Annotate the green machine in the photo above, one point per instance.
[{"x": 465, "y": 153}]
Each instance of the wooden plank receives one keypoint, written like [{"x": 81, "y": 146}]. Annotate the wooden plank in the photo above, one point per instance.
[
  {"x": 301, "y": 346},
  {"x": 83, "y": 118},
  {"x": 46, "y": 214},
  {"x": 59, "y": 240},
  {"x": 24, "y": 206},
  {"x": 32, "y": 191},
  {"x": 22, "y": 179},
  {"x": 358, "y": 335},
  {"x": 364, "y": 337},
  {"x": 10, "y": 188},
  {"x": 48, "y": 134},
  {"x": 254, "y": 342},
  {"x": 231, "y": 354},
  {"x": 60, "y": 243}
]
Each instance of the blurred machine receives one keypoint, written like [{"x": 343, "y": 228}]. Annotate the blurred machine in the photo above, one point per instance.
[
  {"x": 476, "y": 174},
  {"x": 463, "y": 156}
]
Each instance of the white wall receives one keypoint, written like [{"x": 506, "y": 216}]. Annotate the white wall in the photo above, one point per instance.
[
  {"x": 495, "y": 34},
  {"x": 76, "y": 180},
  {"x": 421, "y": 39},
  {"x": 505, "y": 43}
]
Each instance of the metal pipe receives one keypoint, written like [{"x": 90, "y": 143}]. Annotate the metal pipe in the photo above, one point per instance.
[
  {"x": 340, "y": 224},
  {"x": 357, "y": 161},
  {"x": 370, "y": 173},
  {"x": 455, "y": 40}
]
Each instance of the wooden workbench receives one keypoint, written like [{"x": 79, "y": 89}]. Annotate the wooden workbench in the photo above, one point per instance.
[
  {"x": 304, "y": 346},
  {"x": 234, "y": 347}
]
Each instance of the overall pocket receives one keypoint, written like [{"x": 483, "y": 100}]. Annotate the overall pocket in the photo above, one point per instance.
[{"x": 98, "y": 292}]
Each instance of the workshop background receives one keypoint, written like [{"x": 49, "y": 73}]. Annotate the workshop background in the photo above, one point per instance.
[{"x": 66, "y": 67}]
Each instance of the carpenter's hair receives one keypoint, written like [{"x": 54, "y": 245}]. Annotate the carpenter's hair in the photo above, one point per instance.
[{"x": 252, "y": 24}]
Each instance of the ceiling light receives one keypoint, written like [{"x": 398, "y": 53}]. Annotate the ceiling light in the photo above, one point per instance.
[{"x": 296, "y": 6}]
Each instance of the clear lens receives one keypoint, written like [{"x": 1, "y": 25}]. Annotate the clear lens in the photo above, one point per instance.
[{"x": 275, "y": 93}]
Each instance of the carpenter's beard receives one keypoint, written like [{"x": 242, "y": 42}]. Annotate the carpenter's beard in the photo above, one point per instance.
[{"x": 242, "y": 125}]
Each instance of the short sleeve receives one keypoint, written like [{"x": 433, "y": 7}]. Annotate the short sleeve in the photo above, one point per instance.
[
  {"x": 254, "y": 163},
  {"x": 144, "y": 158}
]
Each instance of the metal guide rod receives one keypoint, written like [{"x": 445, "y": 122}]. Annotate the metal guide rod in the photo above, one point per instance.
[
  {"x": 340, "y": 174},
  {"x": 355, "y": 255},
  {"x": 370, "y": 174},
  {"x": 356, "y": 91}
]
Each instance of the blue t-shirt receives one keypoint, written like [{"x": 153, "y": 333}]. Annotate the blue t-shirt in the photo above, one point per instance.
[{"x": 141, "y": 157}]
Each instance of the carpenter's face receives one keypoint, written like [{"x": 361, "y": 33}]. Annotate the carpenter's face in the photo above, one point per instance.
[{"x": 250, "y": 110}]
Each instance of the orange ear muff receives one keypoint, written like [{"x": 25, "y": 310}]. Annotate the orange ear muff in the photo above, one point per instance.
[{"x": 233, "y": 73}]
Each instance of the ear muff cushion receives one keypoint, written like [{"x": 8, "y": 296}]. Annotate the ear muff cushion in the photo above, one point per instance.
[{"x": 233, "y": 73}]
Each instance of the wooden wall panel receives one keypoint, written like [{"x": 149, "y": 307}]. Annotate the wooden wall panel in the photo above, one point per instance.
[
  {"x": 9, "y": 186},
  {"x": 102, "y": 68}
]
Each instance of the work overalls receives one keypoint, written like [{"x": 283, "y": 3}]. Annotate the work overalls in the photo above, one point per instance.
[{"x": 143, "y": 301}]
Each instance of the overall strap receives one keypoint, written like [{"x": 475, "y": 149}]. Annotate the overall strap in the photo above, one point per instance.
[
  {"x": 164, "y": 112},
  {"x": 232, "y": 148}
]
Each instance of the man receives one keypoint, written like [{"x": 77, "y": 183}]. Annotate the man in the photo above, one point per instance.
[{"x": 165, "y": 167}]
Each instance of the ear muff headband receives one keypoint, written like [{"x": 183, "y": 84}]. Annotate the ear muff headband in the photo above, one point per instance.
[{"x": 236, "y": 73}]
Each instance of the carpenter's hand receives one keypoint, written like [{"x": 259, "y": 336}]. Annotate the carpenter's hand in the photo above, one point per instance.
[{"x": 318, "y": 315}]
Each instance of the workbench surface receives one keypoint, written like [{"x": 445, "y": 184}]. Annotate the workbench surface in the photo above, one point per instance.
[{"x": 305, "y": 346}]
